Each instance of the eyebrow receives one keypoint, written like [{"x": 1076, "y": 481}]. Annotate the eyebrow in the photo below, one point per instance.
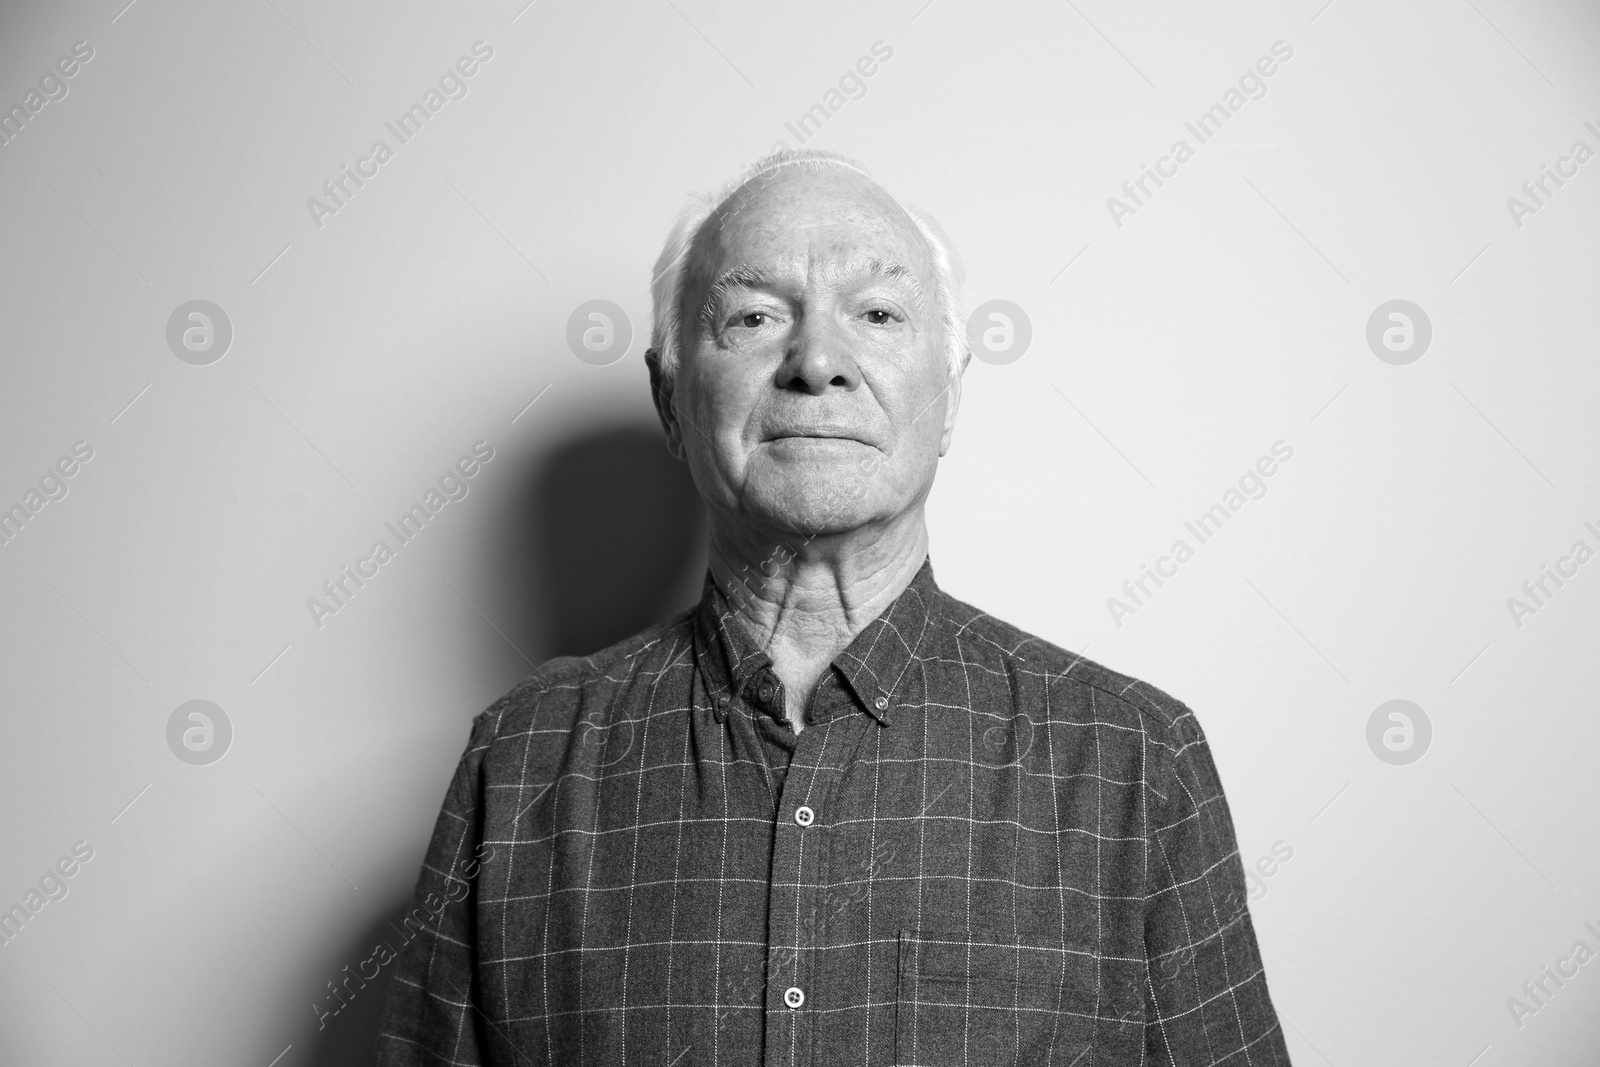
[
  {"x": 746, "y": 276},
  {"x": 743, "y": 276}
]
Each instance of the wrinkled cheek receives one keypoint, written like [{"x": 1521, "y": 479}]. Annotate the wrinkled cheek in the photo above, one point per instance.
[
  {"x": 717, "y": 475},
  {"x": 709, "y": 459}
]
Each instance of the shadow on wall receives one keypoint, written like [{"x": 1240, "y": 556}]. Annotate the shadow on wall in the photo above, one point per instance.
[
  {"x": 605, "y": 538},
  {"x": 617, "y": 530},
  {"x": 349, "y": 1038}
]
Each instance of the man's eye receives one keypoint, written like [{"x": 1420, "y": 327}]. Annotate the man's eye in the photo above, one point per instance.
[
  {"x": 880, "y": 316},
  {"x": 753, "y": 319}
]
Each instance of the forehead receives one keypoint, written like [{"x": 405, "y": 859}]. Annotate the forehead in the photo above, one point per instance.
[{"x": 803, "y": 220}]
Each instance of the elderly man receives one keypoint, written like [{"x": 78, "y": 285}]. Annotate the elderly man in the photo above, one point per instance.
[{"x": 830, "y": 815}]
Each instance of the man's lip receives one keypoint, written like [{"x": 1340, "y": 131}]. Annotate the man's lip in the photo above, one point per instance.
[
  {"x": 834, "y": 436},
  {"x": 820, "y": 436}
]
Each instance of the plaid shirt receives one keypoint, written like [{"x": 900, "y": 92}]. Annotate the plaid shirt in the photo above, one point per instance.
[{"x": 981, "y": 850}]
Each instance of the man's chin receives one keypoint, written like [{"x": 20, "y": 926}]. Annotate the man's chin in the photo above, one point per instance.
[{"x": 812, "y": 503}]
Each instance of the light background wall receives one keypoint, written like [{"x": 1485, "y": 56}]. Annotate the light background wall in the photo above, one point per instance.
[{"x": 1227, "y": 313}]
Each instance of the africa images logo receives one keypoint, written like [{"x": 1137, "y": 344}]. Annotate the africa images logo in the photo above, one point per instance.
[
  {"x": 454, "y": 485},
  {"x": 1252, "y": 85},
  {"x": 1252, "y": 485},
  {"x": 52, "y": 87},
  {"x": 341, "y": 189},
  {"x": 52, "y": 486}
]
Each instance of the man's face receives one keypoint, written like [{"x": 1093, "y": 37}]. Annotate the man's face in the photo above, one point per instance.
[{"x": 813, "y": 393}]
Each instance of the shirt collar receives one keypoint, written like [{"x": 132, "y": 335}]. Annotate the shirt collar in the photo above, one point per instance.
[{"x": 873, "y": 664}]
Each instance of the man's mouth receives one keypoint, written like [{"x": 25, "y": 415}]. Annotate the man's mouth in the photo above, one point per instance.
[
  {"x": 822, "y": 431},
  {"x": 813, "y": 437},
  {"x": 818, "y": 439}
]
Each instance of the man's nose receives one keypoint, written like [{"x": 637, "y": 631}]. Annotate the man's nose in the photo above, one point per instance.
[{"x": 819, "y": 358}]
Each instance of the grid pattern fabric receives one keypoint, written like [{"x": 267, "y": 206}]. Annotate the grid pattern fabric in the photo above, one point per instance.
[{"x": 985, "y": 850}]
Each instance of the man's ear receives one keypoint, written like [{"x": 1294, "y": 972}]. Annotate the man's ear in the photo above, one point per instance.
[
  {"x": 953, "y": 404},
  {"x": 661, "y": 392}
]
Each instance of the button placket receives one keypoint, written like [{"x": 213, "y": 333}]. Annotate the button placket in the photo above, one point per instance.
[{"x": 799, "y": 871}]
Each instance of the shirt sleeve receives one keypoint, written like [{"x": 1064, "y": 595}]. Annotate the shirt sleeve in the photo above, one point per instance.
[
  {"x": 1206, "y": 992},
  {"x": 430, "y": 1018}
]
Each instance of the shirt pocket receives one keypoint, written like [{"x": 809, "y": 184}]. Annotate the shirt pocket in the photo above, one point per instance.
[{"x": 966, "y": 1001}]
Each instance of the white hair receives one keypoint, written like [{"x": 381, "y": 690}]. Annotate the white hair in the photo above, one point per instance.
[{"x": 666, "y": 285}]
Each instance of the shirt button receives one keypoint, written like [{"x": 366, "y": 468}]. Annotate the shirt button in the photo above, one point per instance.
[
  {"x": 794, "y": 996},
  {"x": 764, "y": 691},
  {"x": 881, "y": 703},
  {"x": 805, "y": 817}
]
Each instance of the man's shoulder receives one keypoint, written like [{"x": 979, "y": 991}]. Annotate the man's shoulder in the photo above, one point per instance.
[
  {"x": 559, "y": 690},
  {"x": 1075, "y": 683}
]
